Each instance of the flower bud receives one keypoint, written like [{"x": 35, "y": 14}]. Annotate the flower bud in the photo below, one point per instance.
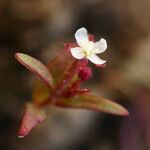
[{"x": 85, "y": 73}]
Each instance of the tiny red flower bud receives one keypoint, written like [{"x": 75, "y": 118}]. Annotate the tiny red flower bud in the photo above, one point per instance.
[
  {"x": 91, "y": 38},
  {"x": 81, "y": 64},
  {"x": 68, "y": 46},
  {"x": 85, "y": 73}
]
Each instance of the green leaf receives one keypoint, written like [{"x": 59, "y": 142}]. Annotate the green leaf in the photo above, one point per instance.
[
  {"x": 36, "y": 67},
  {"x": 93, "y": 103},
  {"x": 40, "y": 93},
  {"x": 32, "y": 117}
]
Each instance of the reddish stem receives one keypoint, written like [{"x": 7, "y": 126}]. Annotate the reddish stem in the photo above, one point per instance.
[{"x": 60, "y": 90}]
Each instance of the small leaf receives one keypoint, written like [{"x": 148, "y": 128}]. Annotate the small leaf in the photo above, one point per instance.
[
  {"x": 59, "y": 65},
  {"x": 32, "y": 117},
  {"x": 93, "y": 103},
  {"x": 40, "y": 92},
  {"x": 36, "y": 67}
]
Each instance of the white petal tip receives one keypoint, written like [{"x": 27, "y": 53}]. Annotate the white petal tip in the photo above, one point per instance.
[
  {"x": 81, "y": 29},
  {"x": 81, "y": 36},
  {"x": 101, "y": 62},
  {"x": 21, "y": 136},
  {"x": 100, "y": 46},
  {"x": 96, "y": 60},
  {"x": 104, "y": 43},
  {"x": 103, "y": 40}
]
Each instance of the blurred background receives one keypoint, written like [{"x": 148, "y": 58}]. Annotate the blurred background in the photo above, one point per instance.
[{"x": 40, "y": 28}]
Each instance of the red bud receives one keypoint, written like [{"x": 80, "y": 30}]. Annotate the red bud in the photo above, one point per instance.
[{"x": 85, "y": 73}]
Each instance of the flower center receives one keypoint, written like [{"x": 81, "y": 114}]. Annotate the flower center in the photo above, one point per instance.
[
  {"x": 87, "y": 48},
  {"x": 87, "y": 53}
]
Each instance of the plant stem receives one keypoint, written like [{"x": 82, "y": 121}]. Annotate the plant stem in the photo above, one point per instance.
[{"x": 59, "y": 91}]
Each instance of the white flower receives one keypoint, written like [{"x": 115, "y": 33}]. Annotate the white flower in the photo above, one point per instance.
[{"x": 88, "y": 49}]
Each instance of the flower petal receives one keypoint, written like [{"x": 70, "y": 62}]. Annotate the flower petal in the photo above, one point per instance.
[
  {"x": 100, "y": 46},
  {"x": 81, "y": 36},
  {"x": 96, "y": 60},
  {"x": 77, "y": 53}
]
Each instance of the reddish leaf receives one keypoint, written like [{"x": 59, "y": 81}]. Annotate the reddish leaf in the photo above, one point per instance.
[
  {"x": 36, "y": 67},
  {"x": 32, "y": 117},
  {"x": 93, "y": 103},
  {"x": 59, "y": 65}
]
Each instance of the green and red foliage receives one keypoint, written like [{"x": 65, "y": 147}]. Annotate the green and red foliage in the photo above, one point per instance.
[{"x": 60, "y": 86}]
